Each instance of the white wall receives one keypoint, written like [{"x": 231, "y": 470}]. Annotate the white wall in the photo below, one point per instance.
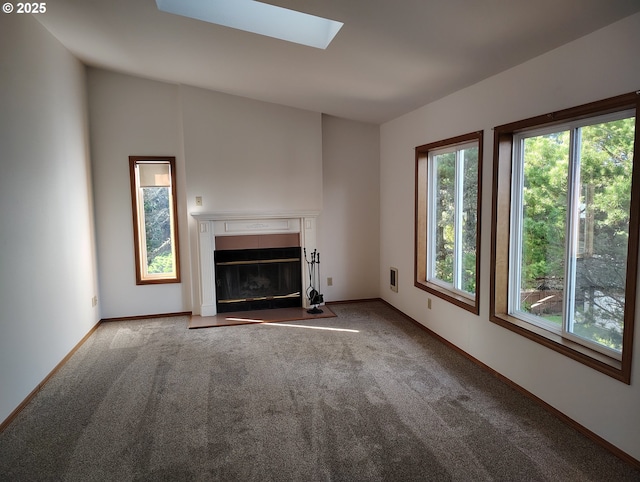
[
  {"x": 250, "y": 156},
  {"x": 350, "y": 222},
  {"x": 47, "y": 262},
  {"x": 237, "y": 154},
  {"x": 131, "y": 116},
  {"x": 594, "y": 67}
]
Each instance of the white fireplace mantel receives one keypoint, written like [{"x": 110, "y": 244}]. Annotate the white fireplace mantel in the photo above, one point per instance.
[
  {"x": 232, "y": 215},
  {"x": 215, "y": 224}
]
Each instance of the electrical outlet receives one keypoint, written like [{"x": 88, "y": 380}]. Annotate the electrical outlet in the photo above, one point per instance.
[
  {"x": 94, "y": 301},
  {"x": 329, "y": 281},
  {"x": 198, "y": 200},
  {"x": 429, "y": 303}
]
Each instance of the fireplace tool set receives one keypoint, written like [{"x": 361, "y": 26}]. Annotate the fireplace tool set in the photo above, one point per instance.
[{"x": 313, "y": 294}]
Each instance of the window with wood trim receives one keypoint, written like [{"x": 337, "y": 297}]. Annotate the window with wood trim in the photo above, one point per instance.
[
  {"x": 565, "y": 231},
  {"x": 447, "y": 224},
  {"x": 155, "y": 224}
]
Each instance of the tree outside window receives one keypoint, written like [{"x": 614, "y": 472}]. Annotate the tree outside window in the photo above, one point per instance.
[
  {"x": 565, "y": 231},
  {"x": 448, "y": 218},
  {"x": 574, "y": 214}
]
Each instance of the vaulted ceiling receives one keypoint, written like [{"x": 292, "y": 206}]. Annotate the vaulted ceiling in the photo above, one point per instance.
[{"x": 390, "y": 57}]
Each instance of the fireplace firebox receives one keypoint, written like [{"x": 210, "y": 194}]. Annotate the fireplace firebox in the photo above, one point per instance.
[{"x": 256, "y": 279}]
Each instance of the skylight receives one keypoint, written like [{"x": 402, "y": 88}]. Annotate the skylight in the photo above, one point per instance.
[{"x": 258, "y": 17}]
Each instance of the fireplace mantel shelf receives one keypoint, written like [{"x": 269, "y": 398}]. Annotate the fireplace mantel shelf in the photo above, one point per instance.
[{"x": 236, "y": 216}]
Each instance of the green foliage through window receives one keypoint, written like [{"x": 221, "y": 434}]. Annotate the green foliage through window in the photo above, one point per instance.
[
  {"x": 448, "y": 182},
  {"x": 157, "y": 223},
  {"x": 454, "y": 177},
  {"x": 575, "y": 213}
]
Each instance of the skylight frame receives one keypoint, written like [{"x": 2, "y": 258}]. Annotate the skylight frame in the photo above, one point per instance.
[{"x": 260, "y": 18}]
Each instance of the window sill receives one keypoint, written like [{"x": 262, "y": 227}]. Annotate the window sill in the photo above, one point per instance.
[
  {"x": 592, "y": 358},
  {"x": 157, "y": 281},
  {"x": 457, "y": 299}
]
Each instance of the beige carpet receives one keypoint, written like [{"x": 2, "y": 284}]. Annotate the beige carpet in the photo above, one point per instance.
[
  {"x": 257, "y": 316},
  {"x": 363, "y": 397}
]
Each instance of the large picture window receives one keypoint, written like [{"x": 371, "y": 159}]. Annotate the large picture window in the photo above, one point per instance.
[
  {"x": 566, "y": 231},
  {"x": 448, "y": 218},
  {"x": 153, "y": 193}
]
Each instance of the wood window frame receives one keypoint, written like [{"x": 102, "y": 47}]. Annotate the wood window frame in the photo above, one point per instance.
[
  {"x": 500, "y": 239},
  {"x": 141, "y": 279},
  {"x": 420, "y": 224}
]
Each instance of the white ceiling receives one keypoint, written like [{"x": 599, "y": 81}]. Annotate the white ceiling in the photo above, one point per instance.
[{"x": 391, "y": 56}]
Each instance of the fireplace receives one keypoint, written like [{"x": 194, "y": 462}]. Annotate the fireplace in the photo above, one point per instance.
[
  {"x": 229, "y": 281},
  {"x": 258, "y": 279}
]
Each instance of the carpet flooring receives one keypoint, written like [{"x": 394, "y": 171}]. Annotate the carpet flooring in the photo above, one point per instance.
[
  {"x": 262, "y": 316},
  {"x": 363, "y": 396}
]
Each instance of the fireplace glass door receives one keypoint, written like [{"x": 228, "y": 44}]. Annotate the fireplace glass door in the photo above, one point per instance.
[{"x": 252, "y": 279}]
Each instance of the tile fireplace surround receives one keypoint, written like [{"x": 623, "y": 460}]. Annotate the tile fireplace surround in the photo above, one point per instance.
[{"x": 212, "y": 225}]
